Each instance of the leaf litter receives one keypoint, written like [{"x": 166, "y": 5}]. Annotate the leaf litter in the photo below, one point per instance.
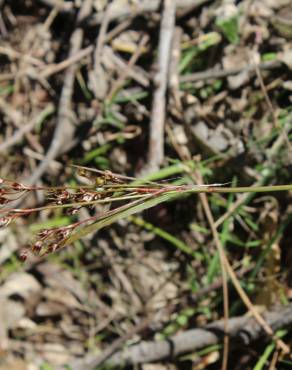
[{"x": 58, "y": 309}]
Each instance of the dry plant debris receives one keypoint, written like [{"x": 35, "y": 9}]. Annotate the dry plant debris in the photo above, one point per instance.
[{"x": 98, "y": 84}]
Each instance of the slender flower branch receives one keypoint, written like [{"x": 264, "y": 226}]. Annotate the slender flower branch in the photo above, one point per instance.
[{"x": 105, "y": 187}]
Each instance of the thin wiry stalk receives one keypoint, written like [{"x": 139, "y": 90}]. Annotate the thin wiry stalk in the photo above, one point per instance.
[
  {"x": 106, "y": 187},
  {"x": 70, "y": 205}
]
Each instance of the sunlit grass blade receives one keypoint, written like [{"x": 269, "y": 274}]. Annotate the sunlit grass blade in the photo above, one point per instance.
[
  {"x": 122, "y": 212},
  {"x": 164, "y": 235}
]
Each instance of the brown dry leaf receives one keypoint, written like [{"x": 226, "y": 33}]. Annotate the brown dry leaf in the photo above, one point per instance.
[
  {"x": 260, "y": 8},
  {"x": 207, "y": 360},
  {"x": 16, "y": 364},
  {"x": 287, "y": 85},
  {"x": 286, "y": 57},
  {"x": 275, "y": 4},
  {"x": 127, "y": 42},
  {"x": 215, "y": 141},
  {"x": 238, "y": 57},
  {"x": 98, "y": 82},
  {"x": 61, "y": 298},
  {"x": 151, "y": 280},
  {"x": 50, "y": 308},
  {"x": 10, "y": 314},
  {"x": 9, "y": 244},
  {"x": 55, "y": 276},
  {"x": 21, "y": 284},
  {"x": 158, "y": 367},
  {"x": 55, "y": 354}
]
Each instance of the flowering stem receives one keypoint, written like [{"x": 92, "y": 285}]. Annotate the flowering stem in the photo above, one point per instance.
[{"x": 243, "y": 189}]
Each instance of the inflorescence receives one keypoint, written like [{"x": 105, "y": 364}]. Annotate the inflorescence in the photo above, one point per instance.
[{"x": 105, "y": 187}]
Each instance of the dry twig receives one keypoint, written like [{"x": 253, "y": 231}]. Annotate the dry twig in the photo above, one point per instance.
[
  {"x": 156, "y": 144},
  {"x": 173, "y": 69},
  {"x": 64, "y": 128},
  {"x": 97, "y": 76},
  {"x": 126, "y": 71},
  {"x": 222, "y": 73},
  {"x": 63, "y": 6},
  {"x": 18, "y": 135}
]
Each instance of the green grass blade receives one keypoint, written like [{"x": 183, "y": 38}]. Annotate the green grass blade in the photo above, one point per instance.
[
  {"x": 268, "y": 351},
  {"x": 122, "y": 212},
  {"x": 164, "y": 235}
]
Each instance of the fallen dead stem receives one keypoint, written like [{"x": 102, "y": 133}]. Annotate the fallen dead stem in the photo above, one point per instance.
[
  {"x": 13, "y": 54},
  {"x": 243, "y": 331},
  {"x": 64, "y": 127},
  {"x": 97, "y": 74},
  {"x": 221, "y": 73},
  {"x": 56, "y": 68},
  {"x": 18, "y": 135},
  {"x": 156, "y": 140},
  {"x": 120, "y": 81}
]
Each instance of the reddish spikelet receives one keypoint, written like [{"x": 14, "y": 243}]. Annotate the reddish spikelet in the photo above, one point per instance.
[
  {"x": 37, "y": 247},
  {"x": 73, "y": 211},
  {"x": 63, "y": 197},
  {"x": 52, "y": 248},
  {"x": 49, "y": 240},
  {"x": 71, "y": 199},
  {"x": 43, "y": 233},
  {"x": 23, "y": 255},
  {"x": 59, "y": 196},
  {"x": 66, "y": 232},
  {"x": 4, "y": 221},
  {"x": 19, "y": 187},
  {"x": 87, "y": 197},
  {"x": 4, "y": 200}
]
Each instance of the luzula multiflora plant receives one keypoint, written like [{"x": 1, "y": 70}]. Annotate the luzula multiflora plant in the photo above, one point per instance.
[{"x": 126, "y": 195}]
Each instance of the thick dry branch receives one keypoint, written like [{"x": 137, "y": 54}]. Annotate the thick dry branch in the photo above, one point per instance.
[{"x": 242, "y": 331}]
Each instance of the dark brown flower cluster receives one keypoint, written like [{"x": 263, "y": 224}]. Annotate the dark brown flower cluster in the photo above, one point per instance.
[
  {"x": 64, "y": 196},
  {"x": 104, "y": 186},
  {"x": 10, "y": 191},
  {"x": 48, "y": 241}
]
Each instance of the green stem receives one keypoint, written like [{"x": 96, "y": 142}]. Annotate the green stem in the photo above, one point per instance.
[{"x": 241, "y": 189}]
